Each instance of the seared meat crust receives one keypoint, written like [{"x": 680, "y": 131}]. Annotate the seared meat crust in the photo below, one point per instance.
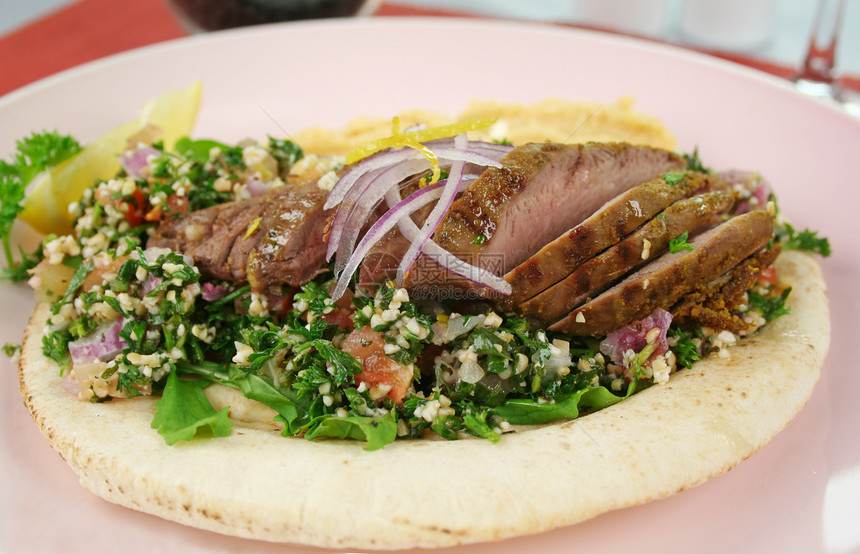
[
  {"x": 713, "y": 304},
  {"x": 665, "y": 281},
  {"x": 592, "y": 277},
  {"x": 609, "y": 224}
]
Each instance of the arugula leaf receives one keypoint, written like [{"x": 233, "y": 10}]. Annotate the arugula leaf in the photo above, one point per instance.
[
  {"x": 292, "y": 409},
  {"x": 525, "y": 411},
  {"x": 35, "y": 154},
  {"x": 375, "y": 430},
  {"x": 771, "y": 307},
  {"x": 477, "y": 425},
  {"x": 680, "y": 243},
  {"x": 198, "y": 150},
  {"x": 183, "y": 411}
]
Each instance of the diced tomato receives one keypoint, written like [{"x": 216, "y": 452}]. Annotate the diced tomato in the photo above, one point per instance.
[
  {"x": 337, "y": 317},
  {"x": 136, "y": 208},
  {"x": 378, "y": 369},
  {"x": 768, "y": 276},
  {"x": 176, "y": 205},
  {"x": 96, "y": 276}
]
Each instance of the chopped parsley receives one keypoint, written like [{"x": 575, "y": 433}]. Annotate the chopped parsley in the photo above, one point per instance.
[
  {"x": 36, "y": 153},
  {"x": 771, "y": 307},
  {"x": 680, "y": 243},
  {"x": 686, "y": 350},
  {"x": 807, "y": 240},
  {"x": 694, "y": 163},
  {"x": 674, "y": 177},
  {"x": 172, "y": 331}
]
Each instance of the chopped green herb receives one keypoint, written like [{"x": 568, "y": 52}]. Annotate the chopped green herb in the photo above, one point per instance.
[
  {"x": 803, "y": 240},
  {"x": 680, "y": 243},
  {"x": 694, "y": 163},
  {"x": 11, "y": 349},
  {"x": 674, "y": 177},
  {"x": 35, "y": 154},
  {"x": 286, "y": 153},
  {"x": 771, "y": 307},
  {"x": 685, "y": 349}
]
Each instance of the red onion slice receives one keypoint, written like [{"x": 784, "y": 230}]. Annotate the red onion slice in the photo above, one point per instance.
[
  {"x": 135, "y": 161},
  {"x": 389, "y": 158},
  {"x": 402, "y": 209},
  {"x": 346, "y": 228},
  {"x": 435, "y": 218},
  {"x": 359, "y": 202},
  {"x": 446, "y": 259},
  {"x": 345, "y": 206},
  {"x": 634, "y": 337},
  {"x": 104, "y": 343}
]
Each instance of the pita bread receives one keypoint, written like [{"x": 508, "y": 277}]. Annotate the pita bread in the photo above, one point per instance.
[{"x": 333, "y": 493}]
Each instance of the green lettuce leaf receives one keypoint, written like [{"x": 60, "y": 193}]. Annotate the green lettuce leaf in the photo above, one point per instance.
[
  {"x": 376, "y": 431},
  {"x": 183, "y": 411},
  {"x": 525, "y": 411}
]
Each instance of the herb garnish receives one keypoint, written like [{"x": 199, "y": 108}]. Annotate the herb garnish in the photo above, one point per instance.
[
  {"x": 35, "y": 154},
  {"x": 802, "y": 240},
  {"x": 680, "y": 243},
  {"x": 771, "y": 307}
]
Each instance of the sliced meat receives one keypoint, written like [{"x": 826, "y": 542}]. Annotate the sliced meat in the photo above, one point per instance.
[
  {"x": 714, "y": 304},
  {"x": 540, "y": 191},
  {"x": 647, "y": 242},
  {"x": 180, "y": 233},
  {"x": 212, "y": 255},
  {"x": 271, "y": 239},
  {"x": 290, "y": 248},
  {"x": 667, "y": 279},
  {"x": 207, "y": 235},
  {"x": 609, "y": 224}
]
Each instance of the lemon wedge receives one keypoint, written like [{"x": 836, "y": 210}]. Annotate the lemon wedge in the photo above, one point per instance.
[{"x": 47, "y": 201}]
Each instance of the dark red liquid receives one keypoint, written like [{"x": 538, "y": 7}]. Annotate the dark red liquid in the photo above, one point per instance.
[{"x": 212, "y": 15}]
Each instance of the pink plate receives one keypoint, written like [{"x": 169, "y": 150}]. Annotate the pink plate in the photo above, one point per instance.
[{"x": 801, "y": 493}]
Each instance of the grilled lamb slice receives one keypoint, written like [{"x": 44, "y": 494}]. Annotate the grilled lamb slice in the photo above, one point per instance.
[
  {"x": 290, "y": 248},
  {"x": 183, "y": 233},
  {"x": 272, "y": 239},
  {"x": 540, "y": 191},
  {"x": 207, "y": 235},
  {"x": 610, "y": 223},
  {"x": 592, "y": 277},
  {"x": 667, "y": 279},
  {"x": 715, "y": 303}
]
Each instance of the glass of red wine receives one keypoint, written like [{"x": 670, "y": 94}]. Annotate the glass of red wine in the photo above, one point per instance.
[{"x": 213, "y": 15}]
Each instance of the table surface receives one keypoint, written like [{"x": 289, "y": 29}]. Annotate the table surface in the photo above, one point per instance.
[{"x": 78, "y": 36}]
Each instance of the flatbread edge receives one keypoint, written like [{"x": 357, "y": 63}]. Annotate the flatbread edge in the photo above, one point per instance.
[{"x": 257, "y": 484}]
